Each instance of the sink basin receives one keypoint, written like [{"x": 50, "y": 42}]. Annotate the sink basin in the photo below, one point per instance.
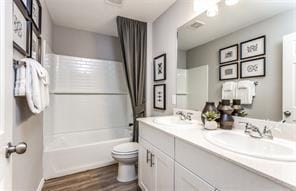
[
  {"x": 277, "y": 149},
  {"x": 176, "y": 122}
]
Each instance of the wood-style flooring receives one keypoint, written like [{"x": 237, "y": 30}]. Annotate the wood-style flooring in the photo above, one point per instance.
[{"x": 101, "y": 179}]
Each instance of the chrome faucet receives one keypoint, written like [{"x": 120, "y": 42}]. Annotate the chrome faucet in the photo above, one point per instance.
[
  {"x": 184, "y": 116},
  {"x": 255, "y": 132},
  {"x": 252, "y": 130}
]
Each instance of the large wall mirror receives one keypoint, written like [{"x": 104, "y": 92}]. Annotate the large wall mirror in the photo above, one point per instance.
[{"x": 222, "y": 56}]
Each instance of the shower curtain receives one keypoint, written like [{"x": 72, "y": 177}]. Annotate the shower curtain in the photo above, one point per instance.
[{"x": 133, "y": 39}]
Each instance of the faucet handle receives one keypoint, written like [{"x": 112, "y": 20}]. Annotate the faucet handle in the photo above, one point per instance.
[
  {"x": 189, "y": 116},
  {"x": 267, "y": 132},
  {"x": 179, "y": 113}
]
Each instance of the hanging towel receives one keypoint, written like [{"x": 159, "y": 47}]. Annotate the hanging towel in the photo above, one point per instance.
[
  {"x": 246, "y": 90},
  {"x": 37, "y": 82},
  {"x": 229, "y": 90},
  {"x": 20, "y": 81}
]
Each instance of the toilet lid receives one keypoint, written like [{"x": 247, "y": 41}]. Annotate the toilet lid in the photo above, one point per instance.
[{"x": 126, "y": 148}]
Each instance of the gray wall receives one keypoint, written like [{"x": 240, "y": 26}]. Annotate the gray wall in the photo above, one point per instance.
[
  {"x": 268, "y": 100},
  {"x": 164, "y": 40},
  {"x": 73, "y": 42},
  {"x": 28, "y": 168},
  {"x": 182, "y": 59}
]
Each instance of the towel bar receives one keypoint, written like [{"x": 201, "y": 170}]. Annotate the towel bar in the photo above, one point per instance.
[{"x": 17, "y": 63}]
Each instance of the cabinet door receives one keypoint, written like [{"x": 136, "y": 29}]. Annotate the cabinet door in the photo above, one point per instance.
[
  {"x": 186, "y": 180},
  {"x": 146, "y": 180},
  {"x": 163, "y": 167}
]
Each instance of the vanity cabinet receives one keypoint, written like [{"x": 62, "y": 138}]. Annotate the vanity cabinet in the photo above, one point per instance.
[
  {"x": 186, "y": 180},
  {"x": 167, "y": 163},
  {"x": 220, "y": 173},
  {"x": 156, "y": 168}
]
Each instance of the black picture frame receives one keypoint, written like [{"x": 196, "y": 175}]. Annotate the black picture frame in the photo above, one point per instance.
[
  {"x": 40, "y": 15},
  {"x": 254, "y": 76},
  {"x": 27, "y": 7},
  {"x": 24, "y": 52},
  {"x": 34, "y": 30},
  {"x": 230, "y": 61},
  {"x": 220, "y": 70},
  {"x": 257, "y": 55},
  {"x": 164, "y": 96},
  {"x": 164, "y": 68}
]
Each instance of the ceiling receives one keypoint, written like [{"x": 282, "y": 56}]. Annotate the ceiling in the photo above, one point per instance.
[
  {"x": 99, "y": 16},
  {"x": 230, "y": 19}
]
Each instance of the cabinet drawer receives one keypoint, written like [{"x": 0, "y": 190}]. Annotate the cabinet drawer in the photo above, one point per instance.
[
  {"x": 221, "y": 173},
  {"x": 186, "y": 180},
  {"x": 158, "y": 139}
]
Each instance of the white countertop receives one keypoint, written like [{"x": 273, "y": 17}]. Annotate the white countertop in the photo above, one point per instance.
[{"x": 283, "y": 173}]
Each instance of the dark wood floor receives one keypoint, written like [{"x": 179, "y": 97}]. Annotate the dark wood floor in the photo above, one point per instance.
[{"x": 101, "y": 179}]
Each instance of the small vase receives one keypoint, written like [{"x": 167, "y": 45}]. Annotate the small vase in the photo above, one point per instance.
[
  {"x": 211, "y": 125},
  {"x": 210, "y": 106}
]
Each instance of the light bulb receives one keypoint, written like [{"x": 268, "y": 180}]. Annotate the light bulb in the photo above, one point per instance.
[
  {"x": 212, "y": 11},
  {"x": 231, "y": 2}
]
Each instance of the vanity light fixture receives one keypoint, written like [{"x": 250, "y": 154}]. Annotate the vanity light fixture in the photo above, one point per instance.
[
  {"x": 213, "y": 11},
  {"x": 231, "y": 2}
]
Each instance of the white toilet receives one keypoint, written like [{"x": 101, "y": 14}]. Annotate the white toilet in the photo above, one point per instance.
[{"x": 126, "y": 155}]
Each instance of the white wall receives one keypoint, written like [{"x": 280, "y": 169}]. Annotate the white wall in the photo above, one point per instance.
[
  {"x": 86, "y": 95},
  {"x": 165, "y": 41}
]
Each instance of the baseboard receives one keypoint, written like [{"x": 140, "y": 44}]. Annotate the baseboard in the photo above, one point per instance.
[{"x": 40, "y": 186}]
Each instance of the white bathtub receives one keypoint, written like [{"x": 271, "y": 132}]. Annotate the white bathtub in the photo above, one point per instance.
[{"x": 80, "y": 151}]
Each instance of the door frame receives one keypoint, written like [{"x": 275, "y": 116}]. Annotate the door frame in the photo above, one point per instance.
[
  {"x": 285, "y": 100},
  {"x": 6, "y": 87}
]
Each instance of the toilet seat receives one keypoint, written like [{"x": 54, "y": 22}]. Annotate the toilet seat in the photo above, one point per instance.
[{"x": 125, "y": 149}]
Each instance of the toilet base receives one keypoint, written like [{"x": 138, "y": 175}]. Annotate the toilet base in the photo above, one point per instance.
[{"x": 126, "y": 172}]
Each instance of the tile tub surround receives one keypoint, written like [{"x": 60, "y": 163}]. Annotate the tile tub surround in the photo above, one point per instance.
[{"x": 283, "y": 173}]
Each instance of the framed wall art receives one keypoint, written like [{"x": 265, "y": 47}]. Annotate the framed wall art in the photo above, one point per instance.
[
  {"x": 228, "y": 71},
  {"x": 36, "y": 14},
  {"x": 35, "y": 45},
  {"x": 253, "y": 48},
  {"x": 21, "y": 30},
  {"x": 159, "y": 96},
  {"x": 252, "y": 68},
  {"x": 228, "y": 54},
  {"x": 159, "y": 68}
]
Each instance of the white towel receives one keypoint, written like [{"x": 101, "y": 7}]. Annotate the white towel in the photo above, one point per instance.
[
  {"x": 37, "y": 82},
  {"x": 229, "y": 90},
  {"x": 20, "y": 82},
  {"x": 246, "y": 91}
]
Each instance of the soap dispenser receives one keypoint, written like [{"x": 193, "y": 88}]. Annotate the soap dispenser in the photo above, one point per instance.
[{"x": 226, "y": 120}]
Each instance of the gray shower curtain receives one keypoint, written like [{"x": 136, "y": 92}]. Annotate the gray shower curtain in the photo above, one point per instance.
[{"x": 133, "y": 39}]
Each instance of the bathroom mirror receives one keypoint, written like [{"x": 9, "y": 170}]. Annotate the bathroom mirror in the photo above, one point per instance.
[{"x": 243, "y": 42}]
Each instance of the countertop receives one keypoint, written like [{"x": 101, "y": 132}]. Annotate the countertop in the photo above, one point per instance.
[{"x": 283, "y": 173}]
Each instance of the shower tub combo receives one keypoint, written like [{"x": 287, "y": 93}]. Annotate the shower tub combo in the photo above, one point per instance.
[{"x": 88, "y": 115}]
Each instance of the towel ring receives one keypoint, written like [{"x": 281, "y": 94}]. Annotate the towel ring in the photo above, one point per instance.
[{"x": 17, "y": 63}]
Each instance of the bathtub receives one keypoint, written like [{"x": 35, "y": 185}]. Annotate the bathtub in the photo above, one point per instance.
[{"x": 69, "y": 153}]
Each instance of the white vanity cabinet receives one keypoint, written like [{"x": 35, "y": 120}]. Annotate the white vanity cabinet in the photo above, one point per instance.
[
  {"x": 156, "y": 168},
  {"x": 220, "y": 173},
  {"x": 186, "y": 180},
  {"x": 168, "y": 163}
]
